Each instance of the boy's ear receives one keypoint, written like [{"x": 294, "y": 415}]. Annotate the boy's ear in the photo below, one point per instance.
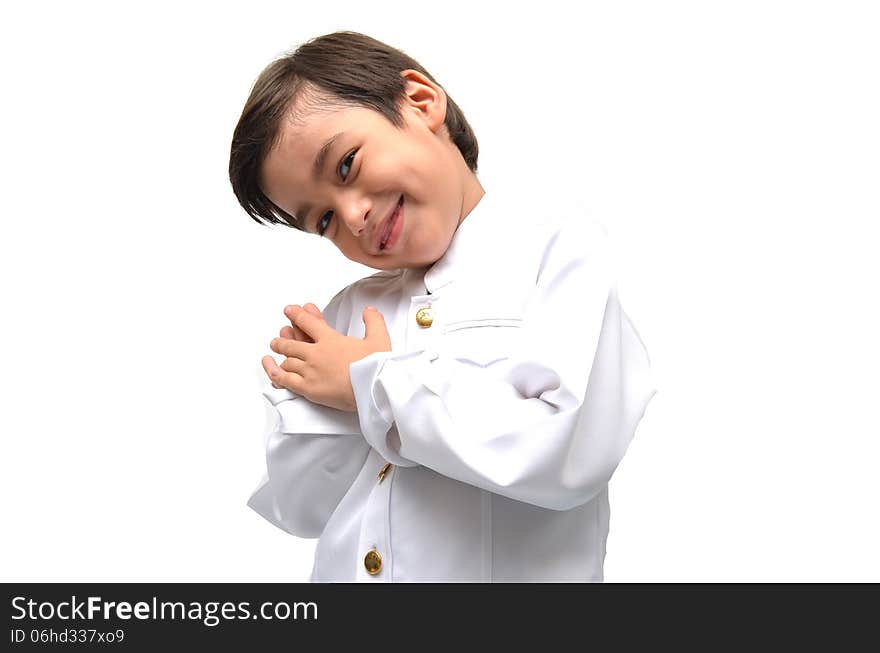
[{"x": 425, "y": 97}]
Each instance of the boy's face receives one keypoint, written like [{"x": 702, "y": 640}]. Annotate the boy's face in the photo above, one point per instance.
[{"x": 369, "y": 167}]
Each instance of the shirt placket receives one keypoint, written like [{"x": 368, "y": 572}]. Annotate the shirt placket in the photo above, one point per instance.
[{"x": 375, "y": 537}]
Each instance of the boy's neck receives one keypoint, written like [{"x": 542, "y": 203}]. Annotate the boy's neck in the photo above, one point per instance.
[{"x": 473, "y": 193}]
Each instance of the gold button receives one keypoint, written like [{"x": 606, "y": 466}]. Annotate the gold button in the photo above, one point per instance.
[
  {"x": 373, "y": 562},
  {"x": 425, "y": 316},
  {"x": 383, "y": 471}
]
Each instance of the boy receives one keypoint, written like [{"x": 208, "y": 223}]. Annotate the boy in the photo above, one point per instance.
[{"x": 456, "y": 416}]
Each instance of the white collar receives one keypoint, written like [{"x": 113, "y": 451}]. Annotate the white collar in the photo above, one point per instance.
[{"x": 470, "y": 244}]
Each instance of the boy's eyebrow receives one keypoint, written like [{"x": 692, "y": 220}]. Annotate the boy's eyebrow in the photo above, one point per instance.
[
  {"x": 318, "y": 167},
  {"x": 321, "y": 158}
]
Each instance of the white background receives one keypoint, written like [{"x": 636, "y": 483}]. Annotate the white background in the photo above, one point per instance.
[{"x": 732, "y": 149}]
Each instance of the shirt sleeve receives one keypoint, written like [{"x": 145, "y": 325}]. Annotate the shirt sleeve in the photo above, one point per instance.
[
  {"x": 546, "y": 425},
  {"x": 313, "y": 455}
]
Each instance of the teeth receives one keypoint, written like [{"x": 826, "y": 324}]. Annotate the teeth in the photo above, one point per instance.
[{"x": 389, "y": 225}]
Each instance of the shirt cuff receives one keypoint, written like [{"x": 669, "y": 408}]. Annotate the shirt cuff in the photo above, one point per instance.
[
  {"x": 296, "y": 414},
  {"x": 378, "y": 381}
]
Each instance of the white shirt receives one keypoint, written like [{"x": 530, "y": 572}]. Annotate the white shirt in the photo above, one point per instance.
[{"x": 503, "y": 419}]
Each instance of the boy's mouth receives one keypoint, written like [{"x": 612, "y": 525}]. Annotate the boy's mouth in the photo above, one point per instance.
[{"x": 384, "y": 230}]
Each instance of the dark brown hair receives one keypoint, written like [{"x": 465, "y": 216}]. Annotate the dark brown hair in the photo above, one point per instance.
[{"x": 343, "y": 69}]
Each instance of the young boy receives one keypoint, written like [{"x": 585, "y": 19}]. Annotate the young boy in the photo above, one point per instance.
[{"x": 457, "y": 415}]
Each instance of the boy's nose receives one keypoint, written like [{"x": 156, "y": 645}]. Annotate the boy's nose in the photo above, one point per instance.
[
  {"x": 356, "y": 216},
  {"x": 359, "y": 226}
]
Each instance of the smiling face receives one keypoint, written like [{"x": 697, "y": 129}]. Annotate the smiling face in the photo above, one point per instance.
[{"x": 369, "y": 166}]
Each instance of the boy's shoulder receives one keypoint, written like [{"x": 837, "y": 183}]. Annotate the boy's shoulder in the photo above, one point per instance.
[
  {"x": 341, "y": 305},
  {"x": 542, "y": 232}
]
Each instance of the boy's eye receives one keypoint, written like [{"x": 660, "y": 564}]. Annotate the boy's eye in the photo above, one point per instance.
[
  {"x": 322, "y": 229},
  {"x": 349, "y": 157}
]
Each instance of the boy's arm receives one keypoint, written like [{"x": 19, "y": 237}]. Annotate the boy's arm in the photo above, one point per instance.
[
  {"x": 313, "y": 455},
  {"x": 548, "y": 424}
]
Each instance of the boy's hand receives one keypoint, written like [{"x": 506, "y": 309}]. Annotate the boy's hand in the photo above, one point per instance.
[
  {"x": 318, "y": 370},
  {"x": 295, "y": 333}
]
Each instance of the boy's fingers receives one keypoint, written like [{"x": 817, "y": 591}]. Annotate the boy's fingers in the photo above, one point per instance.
[
  {"x": 287, "y": 347},
  {"x": 310, "y": 307},
  {"x": 292, "y": 365},
  {"x": 296, "y": 332},
  {"x": 309, "y": 320},
  {"x": 279, "y": 377},
  {"x": 287, "y": 332},
  {"x": 299, "y": 334},
  {"x": 268, "y": 362}
]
